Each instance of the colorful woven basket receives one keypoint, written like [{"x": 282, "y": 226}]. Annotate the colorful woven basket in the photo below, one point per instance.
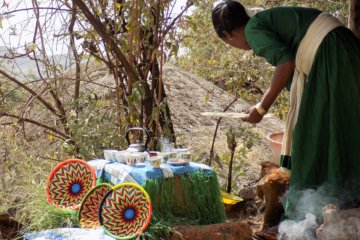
[
  {"x": 125, "y": 211},
  {"x": 88, "y": 214},
  {"x": 69, "y": 182}
]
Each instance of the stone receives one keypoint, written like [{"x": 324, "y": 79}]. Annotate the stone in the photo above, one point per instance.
[
  {"x": 339, "y": 224},
  {"x": 248, "y": 193}
]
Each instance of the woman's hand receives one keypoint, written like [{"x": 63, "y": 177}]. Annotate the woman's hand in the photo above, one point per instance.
[
  {"x": 253, "y": 116},
  {"x": 282, "y": 74}
]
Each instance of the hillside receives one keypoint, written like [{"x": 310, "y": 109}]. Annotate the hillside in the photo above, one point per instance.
[
  {"x": 24, "y": 66},
  {"x": 187, "y": 100}
]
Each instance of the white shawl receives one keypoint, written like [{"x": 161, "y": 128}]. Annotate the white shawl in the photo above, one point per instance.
[{"x": 305, "y": 55}]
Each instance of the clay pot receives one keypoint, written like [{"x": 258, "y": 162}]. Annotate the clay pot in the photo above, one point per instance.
[{"x": 275, "y": 141}]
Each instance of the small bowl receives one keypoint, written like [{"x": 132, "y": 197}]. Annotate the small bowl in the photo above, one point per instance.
[
  {"x": 155, "y": 162},
  {"x": 184, "y": 156},
  {"x": 178, "y": 162},
  {"x": 170, "y": 156}
]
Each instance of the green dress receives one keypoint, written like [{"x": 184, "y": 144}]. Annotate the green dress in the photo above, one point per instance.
[{"x": 326, "y": 139}]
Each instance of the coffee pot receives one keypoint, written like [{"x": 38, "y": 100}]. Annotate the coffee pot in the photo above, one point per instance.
[{"x": 137, "y": 146}]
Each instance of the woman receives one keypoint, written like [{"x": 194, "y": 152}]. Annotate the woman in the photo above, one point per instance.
[{"x": 320, "y": 60}]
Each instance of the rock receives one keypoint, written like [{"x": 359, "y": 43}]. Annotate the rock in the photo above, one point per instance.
[
  {"x": 223, "y": 231},
  {"x": 242, "y": 210},
  {"x": 339, "y": 224},
  {"x": 248, "y": 193},
  {"x": 246, "y": 208}
]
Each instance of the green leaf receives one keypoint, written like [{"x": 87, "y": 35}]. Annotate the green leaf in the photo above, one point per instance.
[
  {"x": 154, "y": 114},
  {"x": 31, "y": 47}
]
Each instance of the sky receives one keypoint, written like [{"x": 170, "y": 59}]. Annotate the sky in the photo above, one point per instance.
[{"x": 17, "y": 32}]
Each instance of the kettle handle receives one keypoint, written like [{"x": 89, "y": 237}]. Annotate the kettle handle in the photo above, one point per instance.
[{"x": 138, "y": 128}]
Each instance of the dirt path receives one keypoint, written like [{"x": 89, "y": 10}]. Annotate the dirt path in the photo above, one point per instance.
[{"x": 187, "y": 100}]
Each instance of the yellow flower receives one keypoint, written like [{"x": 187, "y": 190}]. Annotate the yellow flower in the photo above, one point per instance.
[{"x": 212, "y": 61}]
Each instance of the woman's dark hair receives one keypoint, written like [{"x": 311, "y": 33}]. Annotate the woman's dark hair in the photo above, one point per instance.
[{"x": 227, "y": 16}]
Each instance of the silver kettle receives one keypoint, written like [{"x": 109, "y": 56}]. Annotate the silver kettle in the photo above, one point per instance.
[{"x": 138, "y": 146}]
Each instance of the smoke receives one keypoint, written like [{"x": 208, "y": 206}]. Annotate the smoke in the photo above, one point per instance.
[
  {"x": 301, "y": 230},
  {"x": 312, "y": 201},
  {"x": 308, "y": 211},
  {"x": 338, "y": 214}
]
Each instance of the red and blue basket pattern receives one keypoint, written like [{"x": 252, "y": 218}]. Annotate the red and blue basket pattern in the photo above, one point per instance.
[
  {"x": 89, "y": 209},
  {"x": 125, "y": 212},
  {"x": 69, "y": 182}
]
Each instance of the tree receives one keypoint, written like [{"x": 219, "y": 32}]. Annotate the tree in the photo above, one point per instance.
[
  {"x": 354, "y": 17},
  {"x": 131, "y": 38},
  {"x": 132, "y": 34}
]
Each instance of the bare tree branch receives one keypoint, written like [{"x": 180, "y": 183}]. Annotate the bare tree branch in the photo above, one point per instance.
[
  {"x": 32, "y": 92},
  {"x": 32, "y": 9},
  {"x": 65, "y": 136},
  {"x": 188, "y": 5},
  {"x": 76, "y": 56},
  {"x": 101, "y": 29}
]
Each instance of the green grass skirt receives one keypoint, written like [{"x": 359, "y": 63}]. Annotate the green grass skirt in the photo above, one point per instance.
[{"x": 193, "y": 198}]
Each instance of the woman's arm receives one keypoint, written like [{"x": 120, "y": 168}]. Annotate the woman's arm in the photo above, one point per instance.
[{"x": 282, "y": 74}]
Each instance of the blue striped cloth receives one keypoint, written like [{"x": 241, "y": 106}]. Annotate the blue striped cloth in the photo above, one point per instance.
[{"x": 116, "y": 172}]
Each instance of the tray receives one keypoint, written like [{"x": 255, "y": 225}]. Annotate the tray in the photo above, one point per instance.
[{"x": 178, "y": 162}]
